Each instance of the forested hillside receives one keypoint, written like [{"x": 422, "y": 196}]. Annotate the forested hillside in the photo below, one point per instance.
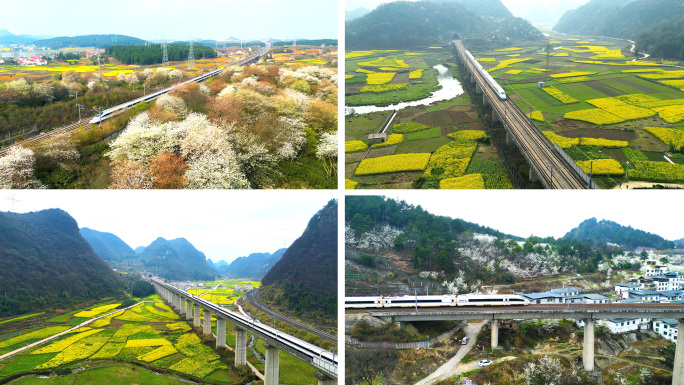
[
  {"x": 608, "y": 231},
  {"x": 107, "y": 245},
  {"x": 657, "y": 26},
  {"x": 46, "y": 263},
  {"x": 253, "y": 266},
  {"x": 305, "y": 279},
  {"x": 97, "y": 41},
  {"x": 153, "y": 54},
  {"x": 177, "y": 260},
  {"x": 404, "y": 24}
]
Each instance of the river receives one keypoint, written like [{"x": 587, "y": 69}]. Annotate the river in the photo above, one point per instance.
[{"x": 451, "y": 88}]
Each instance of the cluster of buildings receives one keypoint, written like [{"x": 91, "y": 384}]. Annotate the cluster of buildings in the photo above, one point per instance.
[
  {"x": 657, "y": 286},
  {"x": 245, "y": 287},
  {"x": 35, "y": 60}
]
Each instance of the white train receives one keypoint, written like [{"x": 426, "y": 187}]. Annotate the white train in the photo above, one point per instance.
[
  {"x": 106, "y": 114},
  {"x": 488, "y": 78},
  {"x": 435, "y": 301}
]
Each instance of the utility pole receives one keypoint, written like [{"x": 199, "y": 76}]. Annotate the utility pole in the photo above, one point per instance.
[
  {"x": 79, "y": 112},
  {"x": 98, "y": 65}
]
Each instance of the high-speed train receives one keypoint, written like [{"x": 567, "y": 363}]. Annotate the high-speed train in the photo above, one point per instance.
[
  {"x": 319, "y": 356},
  {"x": 488, "y": 78},
  {"x": 106, "y": 114},
  {"x": 435, "y": 301}
]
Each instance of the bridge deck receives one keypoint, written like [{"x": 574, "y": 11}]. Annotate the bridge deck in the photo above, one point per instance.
[
  {"x": 572, "y": 311},
  {"x": 553, "y": 171}
]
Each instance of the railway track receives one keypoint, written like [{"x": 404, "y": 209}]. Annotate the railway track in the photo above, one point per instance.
[
  {"x": 553, "y": 171},
  {"x": 123, "y": 107},
  {"x": 43, "y": 135},
  {"x": 541, "y": 307}
]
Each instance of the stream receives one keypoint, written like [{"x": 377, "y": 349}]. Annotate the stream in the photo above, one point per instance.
[{"x": 451, "y": 88}]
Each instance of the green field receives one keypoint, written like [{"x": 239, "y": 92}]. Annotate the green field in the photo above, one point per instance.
[
  {"x": 432, "y": 127},
  {"x": 615, "y": 98}
]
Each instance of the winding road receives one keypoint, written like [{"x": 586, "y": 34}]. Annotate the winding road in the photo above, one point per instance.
[{"x": 250, "y": 297}]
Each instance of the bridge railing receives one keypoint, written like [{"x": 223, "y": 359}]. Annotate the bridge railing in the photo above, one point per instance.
[
  {"x": 403, "y": 345},
  {"x": 590, "y": 182}
]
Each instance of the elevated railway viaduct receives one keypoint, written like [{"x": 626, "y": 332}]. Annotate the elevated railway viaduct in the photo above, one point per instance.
[
  {"x": 192, "y": 307},
  {"x": 548, "y": 163},
  {"x": 587, "y": 312}
]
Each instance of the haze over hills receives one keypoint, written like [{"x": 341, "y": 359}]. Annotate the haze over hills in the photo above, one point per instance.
[
  {"x": 405, "y": 24},
  {"x": 45, "y": 262},
  {"x": 305, "y": 278},
  {"x": 253, "y": 266},
  {"x": 626, "y": 236},
  {"x": 657, "y": 26},
  {"x": 107, "y": 245},
  {"x": 177, "y": 260}
]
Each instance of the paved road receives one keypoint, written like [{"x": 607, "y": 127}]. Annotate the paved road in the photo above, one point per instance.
[
  {"x": 215, "y": 287},
  {"x": 251, "y": 298},
  {"x": 449, "y": 368}
]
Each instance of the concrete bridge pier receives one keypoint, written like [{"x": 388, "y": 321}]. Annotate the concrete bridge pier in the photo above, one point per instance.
[
  {"x": 478, "y": 90},
  {"x": 509, "y": 138},
  {"x": 485, "y": 101},
  {"x": 196, "y": 320},
  {"x": 207, "y": 322},
  {"x": 678, "y": 372},
  {"x": 323, "y": 379},
  {"x": 188, "y": 309},
  {"x": 495, "y": 334},
  {"x": 533, "y": 175},
  {"x": 240, "y": 347},
  {"x": 183, "y": 305},
  {"x": 495, "y": 116},
  {"x": 176, "y": 301},
  {"x": 272, "y": 367},
  {"x": 221, "y": 333},
  {"x": 588, "y": 348}
]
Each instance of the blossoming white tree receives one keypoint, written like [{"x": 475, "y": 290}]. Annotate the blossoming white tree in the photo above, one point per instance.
[{"x": 16, "y": 169}]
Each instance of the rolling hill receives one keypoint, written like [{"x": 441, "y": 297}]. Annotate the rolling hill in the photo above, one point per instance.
[
  {"x": 176, "y": 260},
  {"x": 253, "y": 266},
  {"x": 404, "y": 24},
  {"x": 626, "y": 236},
  {"x": 97, "y": 41},
  {"x": 45, "y": 263},
  {"x": 107, "y": 245}
]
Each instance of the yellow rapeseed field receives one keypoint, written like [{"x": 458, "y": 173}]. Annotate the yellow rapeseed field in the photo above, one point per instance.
[
  {"x": 560, "y": 95},
  {"x": 384, "y": 62},
  {"x": 595, "y": 116},
  {"x": 536, "y": 115},
  {"x": 383, "y": 87},
  {"x": 393, "y": 163},
  {"x": 571, "y": 74},
  {"x": 671, "y": 114},
  {"x": 354, "y": 54},
  {"x": 355, "y": 145},
  {"x": 602, "y": 167},
  {"x": 621, "y": 109},
  {"x": 392, "y": 139},
  {"x": 416, "y": 74},
  {"x": 350, "y": 184},
  {"x": 670, "y": 136},
  {"x": 380, "y": 77},
  {"x": 469, "y": 182},
  {"x": 657, "y": 171}
]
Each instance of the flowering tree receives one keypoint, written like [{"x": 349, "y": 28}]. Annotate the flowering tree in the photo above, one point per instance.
[
  {"x": 60, "y": 149},
  {"x": 172, "y": 104},
  {"x": 130, "y": 174},
  {"x": 327, "y": 152},
  {"x": 167, "y": 170},
  {"x": 21, "y": 85},
  {"x": 16, "y": 169},
  {"x": 548, "y": 371},
  {"x": 215, "y": 170},
  {"x": 142, "y": 140}
]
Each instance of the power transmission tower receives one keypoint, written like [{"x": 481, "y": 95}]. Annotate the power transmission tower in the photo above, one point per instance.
[
  {"x": 98, "y": 64},
  {"x": 165, "y": 57},
  {"x": 191, "y": 58}
]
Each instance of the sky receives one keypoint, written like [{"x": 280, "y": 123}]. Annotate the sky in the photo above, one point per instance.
[
  {"x": 173, "y": 19},
  {"x": 519, "y": 8},
  {"x": 222, "y": 224},
  {"x": 553, "y": 213}
]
